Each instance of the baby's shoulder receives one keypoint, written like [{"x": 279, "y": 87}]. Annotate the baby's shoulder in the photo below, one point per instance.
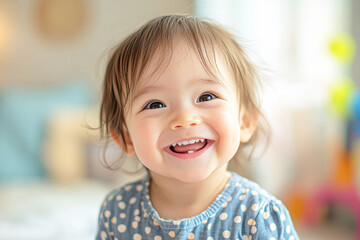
[
  {"x": 252, "y": 199},
  {"x": 128, "y": 193}
]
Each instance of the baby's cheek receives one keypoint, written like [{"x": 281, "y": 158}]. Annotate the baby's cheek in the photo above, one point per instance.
[{"x": 229, "y": 131}]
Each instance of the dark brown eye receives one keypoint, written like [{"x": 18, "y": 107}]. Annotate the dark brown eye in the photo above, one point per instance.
[
  {"x": 154, "y": 105},
  {"x": 206, "y": 97}
]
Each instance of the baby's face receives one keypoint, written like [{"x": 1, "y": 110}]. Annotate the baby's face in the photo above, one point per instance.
[{"x": 182, "y": 123}]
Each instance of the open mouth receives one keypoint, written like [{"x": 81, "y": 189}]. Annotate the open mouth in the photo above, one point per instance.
[{"x": 189, "y": 148}]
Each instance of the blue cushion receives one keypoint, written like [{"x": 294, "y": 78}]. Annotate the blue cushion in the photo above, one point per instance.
[{"x": 23, "y": 114}]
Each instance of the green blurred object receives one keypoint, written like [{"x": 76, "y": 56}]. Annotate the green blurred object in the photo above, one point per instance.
[
  {"x": 343, "y": 47},
  {"x": 340, "y": 96}
]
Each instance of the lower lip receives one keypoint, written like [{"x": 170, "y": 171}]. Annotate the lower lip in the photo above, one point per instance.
[{"x": 190, "y": 155}]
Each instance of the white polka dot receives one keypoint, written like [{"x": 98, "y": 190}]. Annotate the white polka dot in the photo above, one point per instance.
[
  {"x": 253, "y": 229},
  {"x": 136, "y": 212},
  {"x": 275, "y": 208},
  {"x": 291, "y": 238},
  {"x": 147, "y": 230},
  {"x": 209, "y": 226},
  {"x": 137, "y": 218},
  {"x": 139, "y": 188},
  {"x": 254, "y": 193},
  {"x": 229, "y": 199},
  {"x": 224, "y": 205},
  {"x": 176, "y": 222},
  {"x": 121, "y": 228},
  {"x": 114, "y": 220},
  {"x": 210, "y": 238},
  {"x": 243, "y": 207},
  {"x": 252, "y": 222},
  {"x": 122, "y": 205},
  {"x": 122, "y": 215},
  {"x": 245, "y": 237},
  {"x": 242, "y": 197},
  {"x": 110, "y": 197},
  {"x": 103, "y": 235},
  {"x": 172, "y": 234},
  {"x": 132, "y": 200},
  {"x": 134, "y": 224},
  {"x": 107, "y": 213},
  {"x": 266, "y": 215},
  {"x": 157, "y": 238},
  {"x": 272, "y": 238},
  {"x": 255, "y": 207},
  {"x": 127, "y": 188},
  {"x": 245, "y": 190},
  {"x": 282, "y": 217},
  {"x": 223, "y": 216},
  {"x": 237, "y": 219},
  {"x": 288, "y": 229},
  {"x": 205, "y": 221},
  {"x": 273, "y": 227},
  {"x": 106, "y": 225},
  {"x": 137, "y": 236},
  {"x": 118, "y": 197},
  {"x": 226, "y": 234}
]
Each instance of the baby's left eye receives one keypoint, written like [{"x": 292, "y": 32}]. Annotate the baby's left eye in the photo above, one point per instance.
[{"x": 206, "y": 97}]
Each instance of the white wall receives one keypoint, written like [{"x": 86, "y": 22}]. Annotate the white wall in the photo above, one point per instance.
[{"x": 32, "y": 60}]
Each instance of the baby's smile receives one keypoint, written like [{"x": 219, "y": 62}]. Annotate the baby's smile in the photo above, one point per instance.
[{"x": 189, "y": 148}]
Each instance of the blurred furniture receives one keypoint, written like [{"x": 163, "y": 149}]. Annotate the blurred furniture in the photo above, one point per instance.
[{"x": 23, "y": 116}]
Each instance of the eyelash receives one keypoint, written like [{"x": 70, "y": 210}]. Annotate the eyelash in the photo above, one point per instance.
[{"x": 151, "y": 105}]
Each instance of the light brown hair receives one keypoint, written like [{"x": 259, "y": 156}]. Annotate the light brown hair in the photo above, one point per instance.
[{"x": 207, "y": 39}]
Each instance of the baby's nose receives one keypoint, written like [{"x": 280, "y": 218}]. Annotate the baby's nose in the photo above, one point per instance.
[{"x": 185, "y": 120}]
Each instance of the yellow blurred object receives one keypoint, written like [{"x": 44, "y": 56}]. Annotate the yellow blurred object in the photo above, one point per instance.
[
  {"x": 343, "y": 172},
  {"x": 64, "y": 149},
  {"x": 343, "y": 47},
  {"x": 296, "y": 205},
  {"x": 340, "y": 96}
]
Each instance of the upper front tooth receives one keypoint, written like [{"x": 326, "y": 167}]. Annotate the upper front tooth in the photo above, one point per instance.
[{"x": 192, "y": 141}]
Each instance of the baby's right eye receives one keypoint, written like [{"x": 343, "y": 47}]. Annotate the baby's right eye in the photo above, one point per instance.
[{"x": 154, "y": 105}]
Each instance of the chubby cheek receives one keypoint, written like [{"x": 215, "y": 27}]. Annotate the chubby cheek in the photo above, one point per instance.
[
  {"x": 228, "y": 129},
  {"x": 144, "y": 137}
]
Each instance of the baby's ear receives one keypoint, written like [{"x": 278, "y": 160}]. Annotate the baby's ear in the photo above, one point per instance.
[
  {"x": 128, "y": 146},
  {"x": 248, "y": 122}
]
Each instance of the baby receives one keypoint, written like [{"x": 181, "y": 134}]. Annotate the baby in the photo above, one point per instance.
[{"x": 180, "y": 94}]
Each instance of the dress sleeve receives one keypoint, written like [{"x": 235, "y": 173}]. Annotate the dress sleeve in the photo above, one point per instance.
[{"x": 273, "y": 222}]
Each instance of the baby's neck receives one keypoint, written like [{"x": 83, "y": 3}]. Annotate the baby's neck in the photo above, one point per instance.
[{"x": 175, "y": 200}]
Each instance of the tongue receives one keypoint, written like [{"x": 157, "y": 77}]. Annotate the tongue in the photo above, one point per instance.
[{"x": 190, "y": 147}]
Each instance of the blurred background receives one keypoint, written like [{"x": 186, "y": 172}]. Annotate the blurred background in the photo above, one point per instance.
[{"x": 52, "y": 59}]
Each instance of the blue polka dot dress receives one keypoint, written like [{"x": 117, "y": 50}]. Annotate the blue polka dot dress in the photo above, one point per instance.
[{"x": 243, "y": 210}]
